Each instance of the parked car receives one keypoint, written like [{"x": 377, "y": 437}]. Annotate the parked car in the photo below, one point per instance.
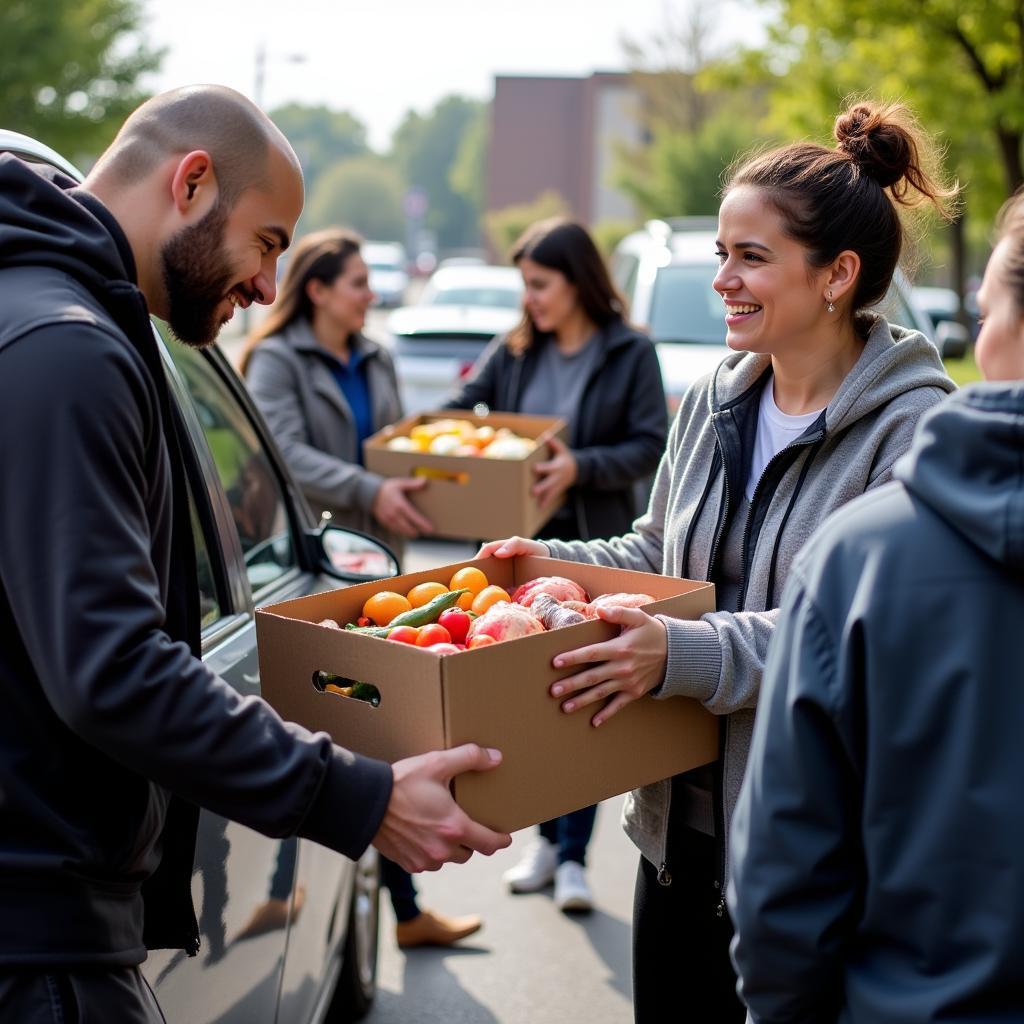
[
  {"x": 389, "y": 273},
  {"x": 257, "y": 543},
  {"x": 665, "y": 271},
  {"x": 437, "y": 340},
  {"x": 943, "y": 307}
]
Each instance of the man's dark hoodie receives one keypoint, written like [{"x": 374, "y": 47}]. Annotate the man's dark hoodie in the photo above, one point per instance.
[
  {"x": 879, "y": 841},
  {"x": 112, "y": 731}
]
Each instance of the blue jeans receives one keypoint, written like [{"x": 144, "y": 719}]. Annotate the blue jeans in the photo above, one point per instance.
[{"x": 571, "y": 833}]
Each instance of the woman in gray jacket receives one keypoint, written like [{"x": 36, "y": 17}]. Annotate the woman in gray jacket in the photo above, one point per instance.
[
  {"x": 815, "y": 405},
  {"x": 323, "y": 387},
  {"x": 878, "y": 844}
]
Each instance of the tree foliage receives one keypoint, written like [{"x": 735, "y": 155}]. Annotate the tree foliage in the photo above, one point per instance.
[
  {"x": 320, "y": 137},
  {"x": 69, "y": 70},
  {"x": 364, "y": 193},
  {"x": 425, "y": 149},
  {"x": 695, "y": 122},
  {"x": 504, "y": 226},
  {"x": 958, "y": 63}
]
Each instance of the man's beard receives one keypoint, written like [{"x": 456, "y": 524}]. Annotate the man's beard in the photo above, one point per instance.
[{"x": 197, "y": 276}]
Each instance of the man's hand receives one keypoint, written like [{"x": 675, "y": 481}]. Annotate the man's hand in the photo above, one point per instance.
[
  {"x": 391, "y": 507},
  {"x": 423, "y": 827}
]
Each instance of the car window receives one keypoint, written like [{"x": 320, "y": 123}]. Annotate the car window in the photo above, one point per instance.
[
  {"x": 210, "y": 606},
  {"x": 684, "y": 306},
  {"x": 257, "y": 503}
]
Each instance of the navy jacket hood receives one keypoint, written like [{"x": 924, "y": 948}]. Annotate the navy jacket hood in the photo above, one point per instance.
[{"x": 982, "y": 499}]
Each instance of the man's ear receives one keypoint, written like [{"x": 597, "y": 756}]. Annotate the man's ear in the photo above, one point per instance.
[{"x": 193, "y": 184}]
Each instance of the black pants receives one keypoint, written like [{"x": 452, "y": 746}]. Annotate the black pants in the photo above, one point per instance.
[
  {"x": 93, "y": 995},
  {"x": 681, "y": 967}
]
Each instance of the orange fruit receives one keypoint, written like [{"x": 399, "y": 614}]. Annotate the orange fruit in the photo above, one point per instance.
[
  {"x": 424, "y": 593},
  {"x": 383, "y": 607},
  {"x": 480, "y": 640},
  {"x": 472, "y": 579},
  {"x": 487, "y": 597}
]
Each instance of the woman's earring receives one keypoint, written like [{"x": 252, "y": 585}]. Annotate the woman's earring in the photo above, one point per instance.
[{"x": 831, "y": 305}]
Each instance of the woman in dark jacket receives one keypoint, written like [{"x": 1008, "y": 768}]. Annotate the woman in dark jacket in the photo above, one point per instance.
[{"x": 573, "y": 355}]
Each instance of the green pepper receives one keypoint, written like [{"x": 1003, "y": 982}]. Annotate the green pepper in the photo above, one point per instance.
[
  {"x": 428, "y": 612},
  {"x": 421, "y": 616}
]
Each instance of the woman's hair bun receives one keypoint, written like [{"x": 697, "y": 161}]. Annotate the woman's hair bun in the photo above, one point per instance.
[{"x": 880, "y": 140}]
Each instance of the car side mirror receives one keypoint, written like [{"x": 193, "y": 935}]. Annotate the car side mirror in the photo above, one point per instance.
[
  {"x": 951, "y": 339},
  {"x": 349, "y": 555}
]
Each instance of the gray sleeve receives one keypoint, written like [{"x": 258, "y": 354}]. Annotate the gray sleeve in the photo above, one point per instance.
[
  {"x": 719, "y": 660},
  {"x": 324, "y": 478}
]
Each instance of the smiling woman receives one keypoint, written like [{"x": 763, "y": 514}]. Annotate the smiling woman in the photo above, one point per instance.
[{"x": 813, "y": 407}]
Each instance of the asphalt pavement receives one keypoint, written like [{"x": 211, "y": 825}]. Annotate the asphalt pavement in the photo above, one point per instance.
[{"x": 530, "y": 964}]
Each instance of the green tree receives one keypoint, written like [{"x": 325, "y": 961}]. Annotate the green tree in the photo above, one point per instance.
[
  {"x": 361, "y": 192},
  {"x": 695, "y": 123},
  {"x": 504, "y": 226},
  {"x": 468, "y": 173},
  {"x": 320, "y": 137},
  {"x": 69, "y": 70},
  {"x": 682, "y": 172},
  {"x": 959, "y": 64},
  {"x": 425, "y": 148}
]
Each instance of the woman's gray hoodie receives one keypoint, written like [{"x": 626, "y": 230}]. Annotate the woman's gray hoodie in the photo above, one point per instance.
[{"x": 850, "y": 449}]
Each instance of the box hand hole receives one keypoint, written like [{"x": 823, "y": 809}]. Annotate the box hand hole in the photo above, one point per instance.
[{"x": 339, "y": 686}]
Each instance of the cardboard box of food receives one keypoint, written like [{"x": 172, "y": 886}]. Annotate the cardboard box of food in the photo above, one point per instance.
[
  {"x": 497, "y": 696},
  {"x": 471, "y": 498}
]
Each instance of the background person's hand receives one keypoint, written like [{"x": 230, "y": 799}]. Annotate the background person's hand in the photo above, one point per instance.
[
  {"x": 623, "y": 669},
  {"x": 424, "y": 827},
  {"x": 556, "y": 475},
  {"x": 391, "y": 507},
  {"x": 512, "y": 546}
]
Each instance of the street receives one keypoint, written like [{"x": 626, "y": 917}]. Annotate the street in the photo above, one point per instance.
[{"x": 530, "y": 964}]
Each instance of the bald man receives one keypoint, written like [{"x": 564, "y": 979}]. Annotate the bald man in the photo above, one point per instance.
[{"x": 112, "y": 730}]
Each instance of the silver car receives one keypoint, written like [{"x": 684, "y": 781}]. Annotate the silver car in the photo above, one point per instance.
[{"x": 437, "y": 340}]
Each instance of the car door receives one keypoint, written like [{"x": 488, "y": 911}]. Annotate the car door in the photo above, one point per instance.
[{"x": 248, "y": 525}]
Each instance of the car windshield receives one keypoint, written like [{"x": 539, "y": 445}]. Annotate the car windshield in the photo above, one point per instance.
[
  {"x": 502, "y": 298},
  {"x": 685, "y": 307}
]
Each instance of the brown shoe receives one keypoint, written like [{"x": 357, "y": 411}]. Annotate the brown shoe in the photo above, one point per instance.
[{"x": 431, "y": 929}]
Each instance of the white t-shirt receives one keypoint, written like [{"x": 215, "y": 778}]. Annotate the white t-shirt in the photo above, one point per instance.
[{"x": 775, "y": 430}]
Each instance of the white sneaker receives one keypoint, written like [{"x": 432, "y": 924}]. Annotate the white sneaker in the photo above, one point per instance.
[
  {"x": 536, "y": 869},
  {"x": 572, "y": 893}
]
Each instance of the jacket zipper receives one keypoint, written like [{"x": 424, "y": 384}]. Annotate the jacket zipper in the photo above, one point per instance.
[{"x": 754, "y": 501}]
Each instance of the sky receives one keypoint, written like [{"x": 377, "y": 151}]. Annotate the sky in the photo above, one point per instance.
[{"x": 380, "y": 58}]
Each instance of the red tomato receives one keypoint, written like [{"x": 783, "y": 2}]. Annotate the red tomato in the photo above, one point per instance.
[
  {"x": 457, "y": 622},
  {"x": 404, "y": 634},
  {"x": 433, "y": 634}
]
